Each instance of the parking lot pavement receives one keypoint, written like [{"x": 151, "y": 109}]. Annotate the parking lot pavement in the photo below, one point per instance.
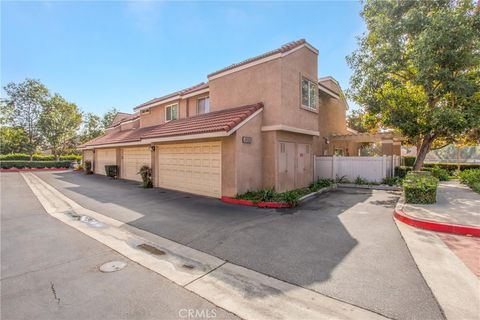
[
  {"x": 343, "y": 244},
  {"x": 51, "y": 271}
]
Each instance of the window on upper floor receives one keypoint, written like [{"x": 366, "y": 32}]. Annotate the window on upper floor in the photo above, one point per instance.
[
  {"x": 203, "y": 105},
  {"x": 171, "y": 112},
  {"x": 309, "y": 94}
]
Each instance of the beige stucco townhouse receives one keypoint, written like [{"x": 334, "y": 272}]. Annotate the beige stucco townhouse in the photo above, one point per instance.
[{"x": 254, "y": 124}]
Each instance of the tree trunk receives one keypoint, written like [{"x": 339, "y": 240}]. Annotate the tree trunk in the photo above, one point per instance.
[
  {"x": 458, "y": 157},
  {"x": 422, "y": 152}
]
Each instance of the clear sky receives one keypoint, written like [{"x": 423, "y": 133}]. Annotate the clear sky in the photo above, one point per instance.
[{"x": 104, "y": 54}]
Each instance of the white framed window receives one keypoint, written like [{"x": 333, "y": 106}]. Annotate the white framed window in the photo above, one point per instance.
[
  {"x": 171, "y": 112},
  {"x": 309, "y": 94},
  {"x": 203, "y": 105}
]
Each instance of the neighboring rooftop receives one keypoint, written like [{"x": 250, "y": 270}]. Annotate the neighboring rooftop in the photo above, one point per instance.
[
  {"x": 223, "y": 121},
  {"x": 180, "y": 93}
]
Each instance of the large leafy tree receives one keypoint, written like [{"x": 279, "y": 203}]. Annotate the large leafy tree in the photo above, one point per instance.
[
  {"x": 417, "y": 69},
  {"x": 23, "y": 108},
  {"x": 13, "y": 140},
  {"x": 59, "y": 123},
  {"x": 92, "y": 127}
]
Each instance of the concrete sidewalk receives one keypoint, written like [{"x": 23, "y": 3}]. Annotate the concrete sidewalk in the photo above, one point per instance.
[{"x": 456, "y": 204}]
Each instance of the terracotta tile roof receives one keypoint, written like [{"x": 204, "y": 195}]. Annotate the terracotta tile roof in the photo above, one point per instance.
[
  {"x": 286, "y": 47},
  {"x": 200, "y": 86},
  {"x": 218, "y": 121},
  {"x": 223, "y": 120},
  {"x": 119, "y": 118},
  {"x": 129, "y": 117}
]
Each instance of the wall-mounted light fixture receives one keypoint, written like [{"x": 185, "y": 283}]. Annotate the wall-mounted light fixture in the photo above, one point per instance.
[
  {"x": 326, "y": 140},
  {"x": 152, "y": 148}
]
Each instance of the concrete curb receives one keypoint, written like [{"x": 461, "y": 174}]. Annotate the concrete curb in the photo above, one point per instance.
[
  {"x": 435, "y": 226},
  {"x": 34, "y": 169},
  {"x": 369, "y": 186},
  {"x": 312, "y": 195}
]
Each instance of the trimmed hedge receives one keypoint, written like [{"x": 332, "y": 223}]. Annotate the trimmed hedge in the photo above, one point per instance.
[
  {"x": 34, "y": 164},
  {"x": 408, "y": 161},
  {"x": 38, "y": 157},
  {"x": 471, "y": 178},
  {"x": 420, "y": 187}
]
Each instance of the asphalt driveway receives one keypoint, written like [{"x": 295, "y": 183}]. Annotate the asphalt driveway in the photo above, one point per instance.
[{"x": 343, "y": 244}]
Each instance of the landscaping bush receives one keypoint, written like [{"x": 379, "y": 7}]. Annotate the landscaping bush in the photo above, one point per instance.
[
  {"x": 146, "y": 174},
  {"x": 392, "y": 181},
  {"x": 270, "y": 195},
  {"x": 34, "y": 164},
  {"x": 401, "y": 172},
  {"x": 319, "y": 184},
  {"x": 111, "y": 171},
  {"x": 408, "y": 161},
  {"x": 38, "y": 157},
  {"x": 441, "y": 174},
  {"x": 420, "y": 187},
  {"x": 471, "y": 178},
  {"x": 88, "y": 167},
  {"x": 452, "y": 167}
]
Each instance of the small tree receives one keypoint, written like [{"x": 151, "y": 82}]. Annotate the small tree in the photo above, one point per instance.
[
  {"x": 13, "y": 140},
  {"x": 417, "y": 69},
  {"x": 108, "y": 117},
  {"x": 92, "y": 127},
  {"x": 25, "y": 102},
  {"x": 59, "y": 123}
]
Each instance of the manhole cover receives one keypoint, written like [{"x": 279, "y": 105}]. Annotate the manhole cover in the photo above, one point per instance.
[{"x": 112, "y": 266}]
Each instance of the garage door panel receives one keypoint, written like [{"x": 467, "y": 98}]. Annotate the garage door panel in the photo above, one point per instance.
[
  {"x": 105, "y": 157},
  {"x": 133, "y": 160},
  {"x": 191, "y": 167}
]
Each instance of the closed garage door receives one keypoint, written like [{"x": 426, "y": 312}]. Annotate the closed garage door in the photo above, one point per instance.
[
  {"x": 133, "y": 160},
  {"x": 191, "y": 167},
  {"x": 104, "y": 157}
]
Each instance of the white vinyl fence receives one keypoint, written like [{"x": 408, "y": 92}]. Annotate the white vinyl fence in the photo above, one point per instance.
[{"x": 369, "y": 168}]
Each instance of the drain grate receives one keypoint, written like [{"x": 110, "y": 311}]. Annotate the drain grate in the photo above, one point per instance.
[
  {"x": 112, "y": 266},
  {"x": 151, "y": 249}
]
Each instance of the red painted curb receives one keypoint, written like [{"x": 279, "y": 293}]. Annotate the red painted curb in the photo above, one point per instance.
[
  {"x": 33, "y": 169},
  {"x": 400, "y": 215},
  {"x": 255, "y": 204}
]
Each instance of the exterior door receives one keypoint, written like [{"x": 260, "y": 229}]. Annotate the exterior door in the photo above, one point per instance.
[
  {"x": 286, "y": 166},
  {"x": 133, "y": 159},
  {"x": 303, "y": 176},
  {"x": 191, "y": 167},
  {"x": 104, "y": 157}
]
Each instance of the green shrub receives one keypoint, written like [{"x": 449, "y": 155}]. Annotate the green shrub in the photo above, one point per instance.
[
  {"x": 452, "y": 167},
  {"x": 401, "y": 172},
  {"x": 146, "y": 174},
  {"x": 34, "y": 164},
  {"x": 437, "y": 172},
  {"x": 408, "y": 161},
  {"x": 392, "y": 181},
  {"x": 319, "y": 184},
  {"x": 420, "y": 187},
  {"x": 471, "y": 178},
  {"x": 38, "y": 157},
  {"x": 111, "y": 170},
  {"x": 270, "y": 195},
  {"x": 88, "y": 167}
]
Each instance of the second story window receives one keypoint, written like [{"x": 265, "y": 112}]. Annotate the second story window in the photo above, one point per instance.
[
  {"x": 203, "y": 105},
  {"x": 171, "y": 112},
  {"x": 309, "y": 94}
]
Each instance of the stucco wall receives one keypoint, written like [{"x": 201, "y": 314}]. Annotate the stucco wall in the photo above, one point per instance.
[
  {"x": 331, "y": 119},
  {"x": 229, "y": 176},
  {"x": 269, "y": 159},
  {"x": 260, "y": 83},
  {"x": 301, "y": 63},
  {"x": 249, "y": 156}
]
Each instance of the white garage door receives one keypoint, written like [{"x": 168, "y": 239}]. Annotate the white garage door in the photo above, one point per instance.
[
  {"x": 191, "y": 167},
  {"x": 104, "y": 157},
  {"x": 133, "y": 160}
]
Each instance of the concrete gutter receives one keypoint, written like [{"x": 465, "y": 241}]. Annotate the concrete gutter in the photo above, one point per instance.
[
  {"x": 369, "y": 186},
  {"x": 244, "y": 292}
]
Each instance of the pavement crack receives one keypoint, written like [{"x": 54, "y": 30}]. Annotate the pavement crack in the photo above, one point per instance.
[{"x": 52, "y": 286}]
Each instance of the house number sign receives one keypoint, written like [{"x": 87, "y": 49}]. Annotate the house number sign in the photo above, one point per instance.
[{"x": 247, "y": 140}]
